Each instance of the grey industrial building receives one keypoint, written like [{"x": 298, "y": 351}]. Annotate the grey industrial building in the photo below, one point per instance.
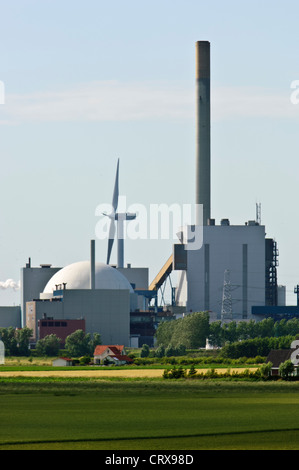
[
  {"x": 235, "y": 270},
  {"x": 233, "y": 274}
]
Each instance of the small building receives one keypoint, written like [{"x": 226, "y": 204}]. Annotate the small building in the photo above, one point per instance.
[
  {"x": 278, "y": 357},
  {"x": 62, "y": 362},
  {"x": 114, "y": 354},
  {"x": 62, "y": 328}
]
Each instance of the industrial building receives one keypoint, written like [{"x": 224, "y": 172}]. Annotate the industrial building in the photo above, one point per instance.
[
  {"x": 94, "y": 292},
  {"x": 232, "y": 274},
  {"x": 237, "y": 252},
  {"x": 235, "y": 269}
]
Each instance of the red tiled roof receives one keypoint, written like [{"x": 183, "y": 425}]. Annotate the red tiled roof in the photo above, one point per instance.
[
  {"x": 102, "y": 348},
  {"x": 122, "y": 357}
]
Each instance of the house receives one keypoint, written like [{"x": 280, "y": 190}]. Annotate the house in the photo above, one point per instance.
[
  {"x": 62, "y": 362},
  {"x": 277, "y": 357},
  {"x": 114, "y": 354}
]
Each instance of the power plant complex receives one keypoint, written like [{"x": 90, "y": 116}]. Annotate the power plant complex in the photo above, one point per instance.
[{"x": 232, "y": 273}]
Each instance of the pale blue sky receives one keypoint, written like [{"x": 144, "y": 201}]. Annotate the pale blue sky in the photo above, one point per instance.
[{"x": 88, "y": 82}]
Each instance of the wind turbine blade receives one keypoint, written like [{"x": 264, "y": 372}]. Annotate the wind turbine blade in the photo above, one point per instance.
[
  {"x": 116, "y": 189},
  {"x": 111, "y": 239}
]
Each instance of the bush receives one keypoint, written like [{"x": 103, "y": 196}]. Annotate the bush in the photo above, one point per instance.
[
  {"x": 84, "y": 360},
  {"x": 145, "y": 350},
  {"x": 265, "y": 370},
  {"x": 160, "y": 351},
  {"x": 169, "y": 351},
  {"x": 174, "y": 373},
  {"x": 286, "y": 369},
  {"x": 192, "y": 372},
  {"x": 48, "y": 346}
]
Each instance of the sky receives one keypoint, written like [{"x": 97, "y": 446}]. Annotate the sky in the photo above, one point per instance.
[{"x": 86, "y": 83}]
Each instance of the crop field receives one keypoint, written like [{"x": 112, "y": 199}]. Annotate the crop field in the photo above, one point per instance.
[
  {"x": 126, "y": 373},
  {"x": 147, "y": 414}
]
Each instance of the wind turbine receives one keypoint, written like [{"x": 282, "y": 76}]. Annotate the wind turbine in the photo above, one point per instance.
[{"x": 120, "y": 218}]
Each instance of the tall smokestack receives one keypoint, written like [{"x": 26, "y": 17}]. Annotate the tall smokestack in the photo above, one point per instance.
[
  {"x": 92, "y": 265},
  {"x": 203, "y": 129}
]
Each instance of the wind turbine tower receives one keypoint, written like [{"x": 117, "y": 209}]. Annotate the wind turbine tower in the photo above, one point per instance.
[{"x": 120, "y": 218}]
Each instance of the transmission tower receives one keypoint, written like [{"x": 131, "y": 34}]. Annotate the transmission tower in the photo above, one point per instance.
[{"x": 227, "y": 303}]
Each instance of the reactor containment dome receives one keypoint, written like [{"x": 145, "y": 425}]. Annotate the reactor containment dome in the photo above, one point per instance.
[{"x": 77, "y": 276}]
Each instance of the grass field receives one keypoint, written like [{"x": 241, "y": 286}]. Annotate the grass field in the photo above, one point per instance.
[{"x": 147, "y": 414}]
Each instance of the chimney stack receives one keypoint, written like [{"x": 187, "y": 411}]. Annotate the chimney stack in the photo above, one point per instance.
[
  {"x": 92, "y": 264},
  {"x": 203, "y": 130}
]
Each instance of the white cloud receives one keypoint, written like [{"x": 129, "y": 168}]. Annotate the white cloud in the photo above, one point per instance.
[
  {"x": 100, "y": 101},
  {"x": 116, "y": 101},
  {"x": 242, "y": 102},
  {"x": 10, "y": 284}
]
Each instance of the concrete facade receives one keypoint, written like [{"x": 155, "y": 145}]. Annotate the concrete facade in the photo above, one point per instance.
[
  {"x": 105, "y": 311},
  {"x": 33, "y": 282},
  {"x": 239, "y": 249},
  {"x": 138, "y": 277},
  {"x": 10, "y": 317}
]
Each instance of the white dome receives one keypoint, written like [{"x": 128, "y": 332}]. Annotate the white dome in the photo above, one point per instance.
[{"x": 77, "y": 276}]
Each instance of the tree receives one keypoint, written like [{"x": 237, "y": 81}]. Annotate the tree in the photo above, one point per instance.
[
  {"x": 191, "y": 331},
  {"x": 280, "y": 328},
  {"x": 8, "y": 337},
  {"x": 292, "y": 326},
  {"x": 48, "y": 346},
  {"x": 265, "y": 370},
  {"x": 230, "y": 332},
  {"x": 80, "y": 344},
  {"x": 286, "y": 369},
  {"x": 160, "y": 351},
  {"x": 16, "y": 342},
  {"x": 170, "y": 351},
  {"x": 215, "y": 334},
  {"x": 145, "y": 350},
  {"x": 22, "y": 337},
  {"x": 180, "y": 350},
  {"x": 164, "y": 332},
  {"x": 95, "y": 341},
  {"x": 265, "y": 328}
]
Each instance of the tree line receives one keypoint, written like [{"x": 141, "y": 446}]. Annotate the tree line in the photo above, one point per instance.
[
  {"x": 256, "y": 347},
  {"x": 221, "y": 335},
  {"x": 193, "y": 330},
  {"x": 77, "y": 344}
]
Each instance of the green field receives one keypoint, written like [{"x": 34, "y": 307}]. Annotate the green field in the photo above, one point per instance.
[{"x": 148, "y": 414}]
